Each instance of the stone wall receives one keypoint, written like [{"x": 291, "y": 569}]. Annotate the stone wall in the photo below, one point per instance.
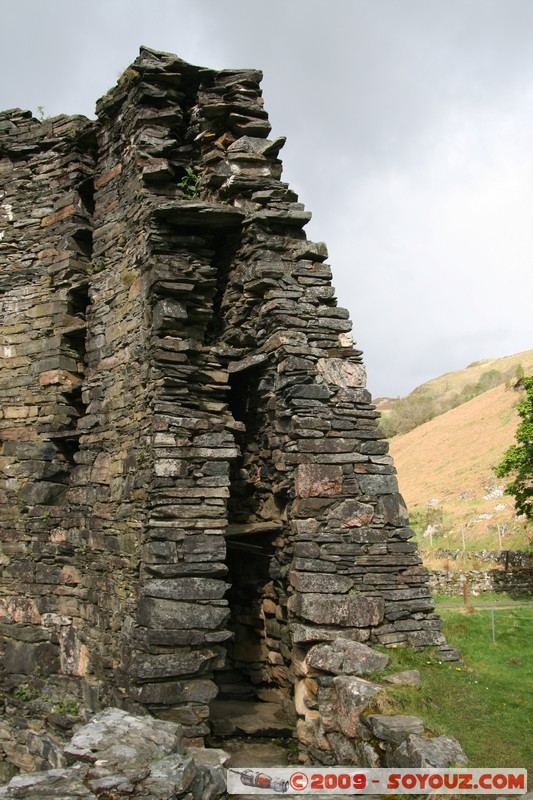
[
  {"x": 451, "y": 582},
  {"x": 504, "y": 559},
  {"x": 509, "y": 571},
  {"x": 45, "y": 251},
  {"x": 195, "y": 489}
]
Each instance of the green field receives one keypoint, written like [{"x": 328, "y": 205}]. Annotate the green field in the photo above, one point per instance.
[{"x": 487, "y": 704}]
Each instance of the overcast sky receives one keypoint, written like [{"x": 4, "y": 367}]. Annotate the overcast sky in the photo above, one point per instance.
[{"x": 410, "y": 138}]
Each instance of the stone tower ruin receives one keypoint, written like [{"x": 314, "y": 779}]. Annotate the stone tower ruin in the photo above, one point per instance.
[{"x": 194, "y": 487}]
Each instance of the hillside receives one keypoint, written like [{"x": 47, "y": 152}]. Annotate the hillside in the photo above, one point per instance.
[
  {"x": 445, "y": 473},
  {"x": 456, "y": 381},
  {"x": 449, "y": 391}
]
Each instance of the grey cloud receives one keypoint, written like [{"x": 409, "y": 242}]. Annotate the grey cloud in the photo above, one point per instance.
[{"x": 408, "y": 129}]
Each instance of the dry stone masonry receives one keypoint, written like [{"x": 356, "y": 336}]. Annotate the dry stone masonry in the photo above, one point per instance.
[
  {"x": 195, "y": 491},
  {"x": 508, "y": 571}
]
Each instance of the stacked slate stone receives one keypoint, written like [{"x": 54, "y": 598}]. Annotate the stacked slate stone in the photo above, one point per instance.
[
  {"x": 229, "y": 501},
  {"x": 312, "y": 487},
  {"x": 46, "y": 173}
]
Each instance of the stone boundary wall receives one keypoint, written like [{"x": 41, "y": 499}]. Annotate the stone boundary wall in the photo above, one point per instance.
[
  {"x": 514, "y": 559},
  {"x": 451, "y": 582},
  {"x": 513, "y": 575}
]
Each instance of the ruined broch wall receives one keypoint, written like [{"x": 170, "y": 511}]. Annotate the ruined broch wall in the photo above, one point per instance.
[{"x": 194, "y": 486}]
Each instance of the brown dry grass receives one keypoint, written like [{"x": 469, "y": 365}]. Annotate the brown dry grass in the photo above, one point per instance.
[
  {"x": 451, "y": 458},
  {"x": 451, "y": 384},
  {"x": 456, "y": 381},
  {"x": 438, "y": 564}
]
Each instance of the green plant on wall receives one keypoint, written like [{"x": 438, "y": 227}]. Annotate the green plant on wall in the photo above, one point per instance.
[
  {"x": 98, "y": 266},
  {"x": 25, "y": 693},
  {"x": 67, "y": 707},
  {"x": 189, "y": 184}
]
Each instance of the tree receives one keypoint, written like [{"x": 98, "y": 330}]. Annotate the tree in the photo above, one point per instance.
[{"x": 518, "y": 460}]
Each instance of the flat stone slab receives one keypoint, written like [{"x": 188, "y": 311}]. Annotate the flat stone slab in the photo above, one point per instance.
[
  {"x": 196, "y": 213},
  {"x": 350, "y": 611},
  {"x": 409, "y": 677},
  {"x": 393, "y": 728},
  {"x": 233, "y": 717},
  {"x": 339, "y": 372},
  {"x": 244, "y": 753},
  {"x": 345, "y": 657},
  {"x": 316, "y": 480},
  {"x": 260, "y": 754},
  {"x": 320, "y": 582},
  {"x": 312, "y": 633},
  {"x": 447, "y": 652}
]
